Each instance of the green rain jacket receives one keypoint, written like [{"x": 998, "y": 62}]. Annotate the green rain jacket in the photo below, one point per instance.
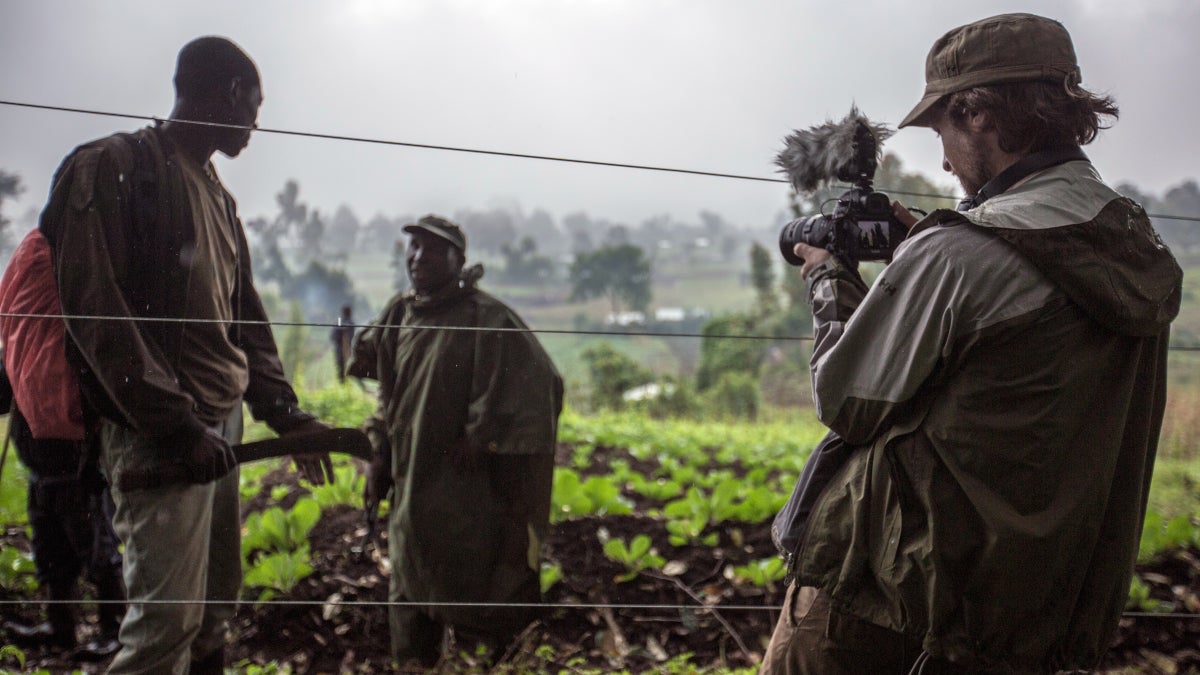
[
  {"x": 1004, "y": 382},
  {"x": 461, "y": 533}
]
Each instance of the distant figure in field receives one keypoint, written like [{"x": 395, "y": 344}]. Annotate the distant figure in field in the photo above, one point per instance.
[
  {"x": 342, "y": 335},
  {"x": 465, "y": 435}
]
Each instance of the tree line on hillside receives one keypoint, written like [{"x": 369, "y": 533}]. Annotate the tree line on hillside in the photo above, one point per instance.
[
  {"x": 305, "y": 250},
  {"x": 304, "y": 253}
]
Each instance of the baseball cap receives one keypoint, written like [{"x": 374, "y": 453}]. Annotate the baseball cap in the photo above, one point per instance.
[
  {"x": 996, "y": 50},
  {"x": 441, "y": 227}
]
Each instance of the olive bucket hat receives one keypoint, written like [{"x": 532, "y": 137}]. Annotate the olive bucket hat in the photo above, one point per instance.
[
  {"x": 1000, "y": 49},
  {"x": 440, "y": 227}
]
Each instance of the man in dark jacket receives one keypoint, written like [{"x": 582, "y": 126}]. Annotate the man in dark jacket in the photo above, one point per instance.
[
  {"x": 1002, "y": 386},
  {"x": 465, "y": 433},
  {"x": 154, "y": 274}
]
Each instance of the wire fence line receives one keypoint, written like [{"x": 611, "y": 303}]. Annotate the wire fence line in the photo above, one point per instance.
[
  {"x": 1182, "y": 616},
  {"x": 472, "y": 329},
  {"x": 308, "y": 324},
  {"x": 481, "y": 151}
]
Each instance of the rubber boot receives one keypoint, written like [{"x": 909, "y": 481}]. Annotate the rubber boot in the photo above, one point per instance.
[
  {"x": 63, "y": 614},
  {"x": 58, "y": 631},
  {"x": 110, "y": 614}
]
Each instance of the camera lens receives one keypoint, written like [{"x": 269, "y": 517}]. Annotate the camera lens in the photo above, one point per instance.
[
  {"x": 813, "y": 230},
  {"x": 787, "y": 241}
]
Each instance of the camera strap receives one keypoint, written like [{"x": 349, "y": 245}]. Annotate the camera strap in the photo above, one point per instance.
[{"x": 1022, "y": 168}]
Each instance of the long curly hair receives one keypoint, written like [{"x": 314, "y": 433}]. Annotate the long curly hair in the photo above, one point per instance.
[{"x": 1035, "y": 116}]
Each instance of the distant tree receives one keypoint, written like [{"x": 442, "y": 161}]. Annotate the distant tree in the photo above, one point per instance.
[
  {"x": 312, "y": 235},
  {"x": 713, "y": 224},
  {"x": 321, "y": 290},
  {"x": 1148, "y": 201},
  {"x": 580, "y": 231},
  {"x": 612, "y": 374},
  {"x": 1181, "y": 200},
  {"x": 522, "y": 264},
  {"x": 620, "y": 273},
  {"x": 762, "y": 276},
  {"x": 617, "y": 235},
  {"x": 912, "y": 188},
  {"x": 269, "y": 264},
  {"x": 716, "y": 230},
  {"x": 292, "y": 212},
  {"x": 540, "y": 227},
  {"x": 381, "y": 233},
  {"x": 654, "y": 234},
  {"x": 343, "y": 230},
  {"x": 10, "y": 188},
  {"x": 268, "y": 258},
  {"x": 724, "y": 348},
  {"x": 317, "y": 288},
  {"x": 487, "y": 230},
  {"x": 796, "y": 318}
]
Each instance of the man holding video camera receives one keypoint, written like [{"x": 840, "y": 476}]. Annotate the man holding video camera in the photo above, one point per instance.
[{"x": 1001, "y": 388}]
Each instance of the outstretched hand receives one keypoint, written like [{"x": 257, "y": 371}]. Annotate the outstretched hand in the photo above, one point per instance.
[{"x": 317, "y": 467}]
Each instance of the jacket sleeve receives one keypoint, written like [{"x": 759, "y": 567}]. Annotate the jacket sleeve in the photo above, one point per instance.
[
  {"x": 368, "y": 346},
  {"x": 89, "y": 225},
  {"x": 869, "y": 364},
  {"x": 834, "y": 291}
]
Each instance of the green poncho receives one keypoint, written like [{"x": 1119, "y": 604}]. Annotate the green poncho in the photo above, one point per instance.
[{"x": 463, "y": 533}]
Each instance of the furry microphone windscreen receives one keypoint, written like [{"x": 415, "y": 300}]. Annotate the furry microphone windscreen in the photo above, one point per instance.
[{"x": 818, "y": 154}]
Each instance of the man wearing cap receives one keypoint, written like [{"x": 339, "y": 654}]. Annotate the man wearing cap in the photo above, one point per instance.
[
  {"x": 464, "y": 434},
  {"x": 1002, "y": 383}
]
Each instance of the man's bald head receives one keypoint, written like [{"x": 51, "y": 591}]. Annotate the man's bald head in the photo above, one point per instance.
[{"x": 208, "y": 65}]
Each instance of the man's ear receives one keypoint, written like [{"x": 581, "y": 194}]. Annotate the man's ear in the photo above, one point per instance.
[
  {"x": 234, "y": 90},
  {"x": 979, "y": 121}
]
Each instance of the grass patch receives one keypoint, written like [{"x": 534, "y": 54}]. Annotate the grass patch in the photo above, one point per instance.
[
  {"x": 14, "y": 484},
  {"x": 1175, "y": 488}
]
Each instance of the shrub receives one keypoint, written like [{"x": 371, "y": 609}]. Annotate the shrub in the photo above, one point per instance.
[
  {"x": 612, "y": 374},
  {"x": 723, "y": 349},
  {"x": 674, "y": 399},
  {"x": 735, "y": 395},
  {"x": 339, "y": 405}
]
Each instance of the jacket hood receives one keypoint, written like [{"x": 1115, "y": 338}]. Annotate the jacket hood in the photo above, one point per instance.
[{"x": 1097, "y": 246}]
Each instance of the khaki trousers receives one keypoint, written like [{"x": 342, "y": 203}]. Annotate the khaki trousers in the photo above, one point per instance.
[
  {"x": 183, "y": 567},
  {"x": 813, "y": 639}
]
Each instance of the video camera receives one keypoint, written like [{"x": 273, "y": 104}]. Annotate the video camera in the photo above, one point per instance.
[{"x": 862, "y": 225}]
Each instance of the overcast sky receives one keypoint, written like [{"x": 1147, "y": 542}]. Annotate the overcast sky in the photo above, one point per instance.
[{"x": 706, "y": 85}]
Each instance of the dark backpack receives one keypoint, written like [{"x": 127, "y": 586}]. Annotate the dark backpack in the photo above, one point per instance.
[{"x": 146, "y": 204}]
